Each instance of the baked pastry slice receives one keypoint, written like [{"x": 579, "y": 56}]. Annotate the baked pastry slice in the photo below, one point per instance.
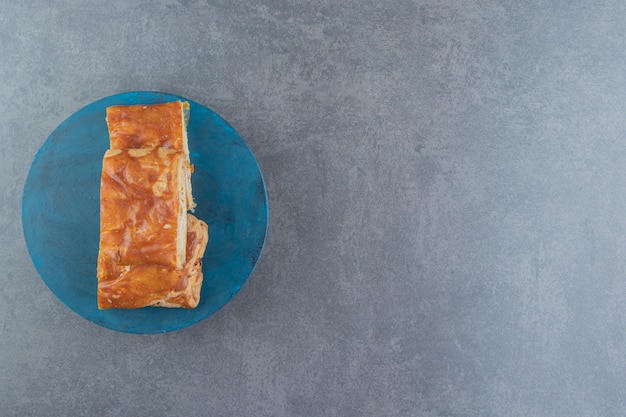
[
  {"x": 152, "y": 126},
  {"x": 137, "y": 286},
  {"x": 149, "y": 126},
  {"x": 142, "y": 207}
]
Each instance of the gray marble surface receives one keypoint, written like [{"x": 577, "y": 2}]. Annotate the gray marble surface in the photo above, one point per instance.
[{"x": 447, "y": 189}]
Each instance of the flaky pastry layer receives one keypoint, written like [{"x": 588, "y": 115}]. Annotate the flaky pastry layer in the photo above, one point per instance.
[
  {"x": 152, "y": 126},
  {"x": 137, "y": 286},
  {"x": 148, "y": 126},
  {"x": 142, "y": 207}
]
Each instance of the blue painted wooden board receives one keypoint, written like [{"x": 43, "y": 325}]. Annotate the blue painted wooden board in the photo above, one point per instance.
[{"x": 60, "y": 213}]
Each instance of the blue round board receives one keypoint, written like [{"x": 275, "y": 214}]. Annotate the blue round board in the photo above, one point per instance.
[{"x": 61, "y": 213}]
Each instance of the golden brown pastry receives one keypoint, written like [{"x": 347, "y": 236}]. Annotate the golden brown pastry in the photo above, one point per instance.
[
  {"x": 139, "y": 286},
  {"x": 152, "y": 126},
  {"x": 142, "y": 207},
  {"x": 148, "y": 126},
  {"x": 151, "y": 249}
]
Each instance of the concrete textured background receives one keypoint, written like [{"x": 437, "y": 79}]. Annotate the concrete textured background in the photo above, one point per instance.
[{"x": 447, "y": 192}]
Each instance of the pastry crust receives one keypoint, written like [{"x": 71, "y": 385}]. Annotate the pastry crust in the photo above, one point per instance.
[
  {"x": 140, "y": 286},
  {"x": 142, "y": 207},
  {"x": 152, "y": 126},
  {"x": 151, "y": 249},
  {"x": 148, "y": 126}
]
